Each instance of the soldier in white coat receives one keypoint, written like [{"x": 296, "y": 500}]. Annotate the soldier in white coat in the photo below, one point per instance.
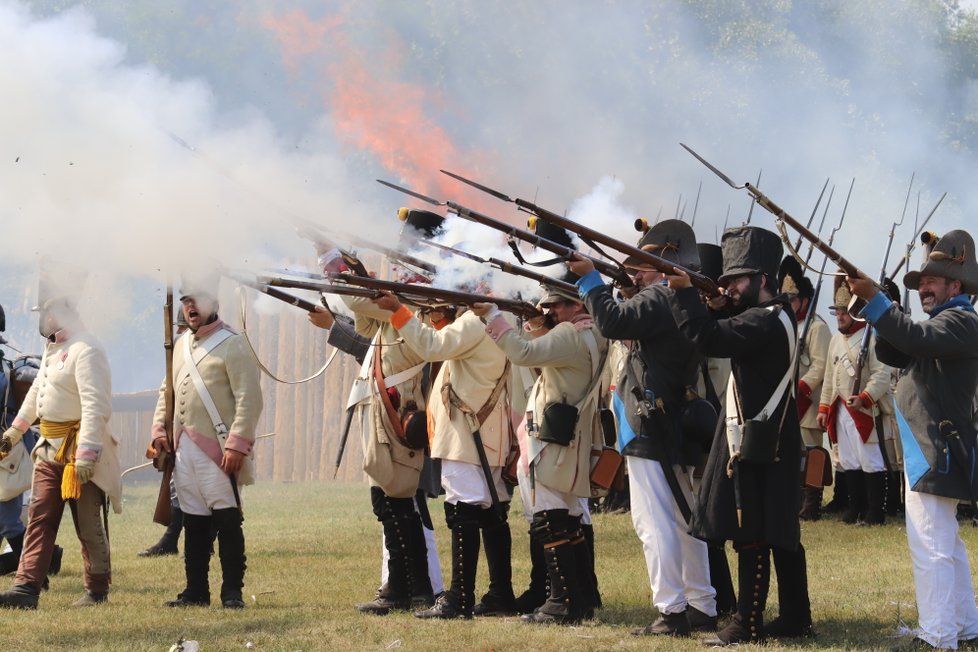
[
  {"x": 76, "y": 460},
  {"x": 856, "y": 418},
  {"x": 217, "y": 405},
  {"x": 469, "y": 395}
]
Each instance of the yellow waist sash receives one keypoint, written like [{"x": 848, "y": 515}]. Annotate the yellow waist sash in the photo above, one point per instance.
[{"x": 67, "y": 431}]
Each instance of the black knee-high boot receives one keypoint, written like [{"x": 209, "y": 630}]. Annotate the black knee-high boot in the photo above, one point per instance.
[
  {"x": 794, "y": 607},
  {"x": 566, "y": 603},
  {"x": 396, "y": 593},
  {"x": 167, "y": 545},
  {"x": 497, "y": 541},
  {"x": 536, "y": 594},
  {"x": 588, "y": 531},
  {"x": 10, "y": 560},
  {"x": 231, "y": 550},
  {"x": 840, "y": 495},
  {"x": 197, "y": 542},
  {"x": 753, "y": 581},
  {"x": 875, "y": 513},
  {"x": 856, "y": 485},
  {"x": 459, "y": 599}
]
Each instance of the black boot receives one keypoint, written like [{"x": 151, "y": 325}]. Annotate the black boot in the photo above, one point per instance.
[
  {"x": 21, "y": 596},
  {"x": 422, "y": 595},
  {"x": 754, "y": 578},
  {"x": 197, "y": 542},
  {"x": 875, "y": 513},
  {"x": 539, "y": 588},
  {"x": 856, "y": 485},
  {"x": 9, "y": 561},
  {"x": 167, "y": 545},
  {"x": 840, "y": 495},
  {"x": 567, "y": 603},
  {"x": 794, "y": 607},
  {"x": 396, "y": 593},
  {"x": 497, "y": 541},
  {"x": 231, "y": 550},
  {"x": 720, "y": 579},
  {"x": 590, "y": 577},
  {"x": 459, "y": 599},
  {"x": 811, "y": 504}
]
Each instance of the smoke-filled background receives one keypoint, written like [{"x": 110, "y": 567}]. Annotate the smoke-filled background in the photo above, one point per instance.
[{"x": 142, "y": 140}]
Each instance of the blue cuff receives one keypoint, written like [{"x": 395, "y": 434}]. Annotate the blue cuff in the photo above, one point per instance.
[
  {"x": 589, "y": 282},
  {"x": 875, "y": 308}
]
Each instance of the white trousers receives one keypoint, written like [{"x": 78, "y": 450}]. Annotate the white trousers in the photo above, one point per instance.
[
  {"x": 201, "y": 485},
  {"x": 466, "y": 483},
  {"x": 942, "y": 576},
  {"x": 854, "y": 454},
  {"x": 679, "y": 572},
  {"x": 540, "y": 498},
  {"x": 434, "y": 565}
]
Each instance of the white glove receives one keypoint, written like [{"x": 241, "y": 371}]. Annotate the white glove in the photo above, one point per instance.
[{"x": 84, "y": 470}]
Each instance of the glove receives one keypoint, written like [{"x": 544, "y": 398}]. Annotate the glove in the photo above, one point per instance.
[
  {"x": 84, "y": 470},
  {"x": 10, "y": 438}
]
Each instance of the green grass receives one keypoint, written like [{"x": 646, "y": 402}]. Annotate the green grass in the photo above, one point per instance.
[{"x": 314, "y": 551}]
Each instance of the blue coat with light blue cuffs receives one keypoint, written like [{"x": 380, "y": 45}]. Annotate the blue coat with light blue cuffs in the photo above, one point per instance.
[{"x": 940, "y": 357}]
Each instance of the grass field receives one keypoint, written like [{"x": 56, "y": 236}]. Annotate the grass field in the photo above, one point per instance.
[{"x": 314, "y": 551}]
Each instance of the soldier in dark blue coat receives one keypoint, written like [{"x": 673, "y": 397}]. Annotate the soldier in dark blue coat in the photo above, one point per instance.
[
  {"x": 935, "y": 411},
  {"x": 750, "y": 494}
]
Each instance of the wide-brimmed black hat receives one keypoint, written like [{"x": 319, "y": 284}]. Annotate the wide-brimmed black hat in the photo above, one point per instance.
[
  {"x": 750, "y": 250},
  {"x": 953, "y": 257},
  {"x": 792, "y": 280},
  {"x": 673, "y": 240},
  {"x": 427, "y": 223},
  {"x": 711, "y": 260}
]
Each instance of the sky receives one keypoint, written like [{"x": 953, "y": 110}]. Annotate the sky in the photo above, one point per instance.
[{"x": 143, "y": 143}]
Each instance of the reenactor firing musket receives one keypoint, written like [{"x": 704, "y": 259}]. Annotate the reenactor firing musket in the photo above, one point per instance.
[
  {"x": 595, "y": 238},
  {"x": 442, "y": 296},
  {"x": 782, "y": 216},
  {"x": 509, "y": 268},
  {"x": 614, "y": 271}
]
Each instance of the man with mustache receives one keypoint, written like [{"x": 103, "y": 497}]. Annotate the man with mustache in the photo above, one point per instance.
[{"x": 935, "y": 406}]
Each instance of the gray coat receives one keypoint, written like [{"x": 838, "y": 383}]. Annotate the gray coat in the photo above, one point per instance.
[{"x": 940, "y": 356}]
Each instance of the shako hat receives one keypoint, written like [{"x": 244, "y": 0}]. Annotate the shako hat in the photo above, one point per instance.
[
  {"x": 427, "y": 223},
  {"x": 953, "y": 257},
  {"x": 711, "y": 260},
  {"x": 673, "y": 240},
  {"x": 550, "y": 231},
  {"x": 750, "y": 250},
  {"x": 842, "y": 294},
  {"x": 792, "y": 279}
]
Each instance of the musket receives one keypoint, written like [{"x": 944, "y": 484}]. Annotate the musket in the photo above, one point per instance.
[
  {"x": 863, "y": 354},
  {"x": 782, "y": 216},
  {"x": 317, "y": 234},
  {"x": 448, "y": 297},
  {"x": 696, "y": 205},
  {"x": 163, "y": 462},
  {"x": 811, "y": 217},
  {"x": 509, "y": 268},
  {"x": 616, "y": 272},
  {"x": 813, "y": 302},
  {"x": 592, "y": 236},
  {"x": 326, "y": 286},
  {"x": 679, "y": 203},
  {"x": 754, "y": 201},
  {"x": 269, "y": 285},
  {"x": 918, "y": 231}
]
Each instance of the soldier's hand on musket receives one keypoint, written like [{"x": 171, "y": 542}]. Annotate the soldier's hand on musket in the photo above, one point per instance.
[
  {"x": 159, "y": 446},
  {"x": 679, "y": 280},
  {"x": 485, "y": 311},
  {"x": 232, "y": 461},
  {"x": 322, "y": 318},
  {"x": 579, "y": 264},
  {"x": 862, "y": 287},
  {"x": 861, "y": 400},
  {"x": 822, "y": 419},
  {"x": 387, "y": 301}
]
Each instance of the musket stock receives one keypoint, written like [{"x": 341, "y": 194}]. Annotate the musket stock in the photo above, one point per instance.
[
  {"x": 162, "y": 514},
  {"x": 595, "y": 238}
]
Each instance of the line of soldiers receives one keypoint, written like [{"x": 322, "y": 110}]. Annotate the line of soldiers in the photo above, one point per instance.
[{"x": 660, "y": 343}]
